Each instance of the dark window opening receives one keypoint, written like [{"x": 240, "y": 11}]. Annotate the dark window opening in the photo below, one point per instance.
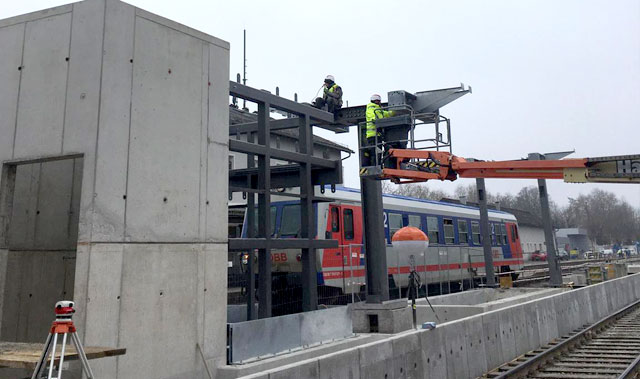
[
  {"x": 449, "y": 233},
  {"x": 335, "y": 220},
  {"x": 348, "y": 224}
]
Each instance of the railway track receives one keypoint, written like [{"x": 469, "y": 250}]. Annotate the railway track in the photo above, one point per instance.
[{"x": 609, "y": 348}]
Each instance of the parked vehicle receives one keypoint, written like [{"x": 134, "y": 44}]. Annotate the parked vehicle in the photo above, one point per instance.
[
  {"x": 590, "y": 255},
  {"x": 562, "y": 255},
  {"x": 539, "y": 256},
  {"x": 607, "y": 253}
]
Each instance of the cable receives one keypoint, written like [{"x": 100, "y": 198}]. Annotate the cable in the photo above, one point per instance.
[{"x": 316, "y": 95}]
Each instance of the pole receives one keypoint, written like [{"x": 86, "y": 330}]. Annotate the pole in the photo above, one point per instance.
[
  {"x": 244, "y": 65},
  {"x": 375, "y": 246},
  {"x": 484, "y": 230},
  {"x": 555, "y": 273}
]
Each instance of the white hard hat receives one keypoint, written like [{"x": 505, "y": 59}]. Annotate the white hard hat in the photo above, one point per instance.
[
  {"x": 375, "y": 97},
  {"x": 330, "y": 77}
]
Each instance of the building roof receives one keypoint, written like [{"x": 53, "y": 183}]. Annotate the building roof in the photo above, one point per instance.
[
  {"x": 239, "y": 116},
  {"x": 525, "y": 218},
  {"x": 567, "y": 232}
]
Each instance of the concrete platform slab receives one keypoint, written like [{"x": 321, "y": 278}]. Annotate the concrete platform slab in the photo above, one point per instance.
[{"x": 434, "y": 355}]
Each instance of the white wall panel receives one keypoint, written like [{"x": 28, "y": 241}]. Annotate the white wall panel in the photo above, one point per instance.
[
  {"x": 43, "y": 87},
  {"x": 115, "y": 110},
  {"x": 164, "y": 153},
  {"x": 11, "y": 38}
]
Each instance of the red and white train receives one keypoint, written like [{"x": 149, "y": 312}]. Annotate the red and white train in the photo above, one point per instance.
[{"x": 454, "y": 254}]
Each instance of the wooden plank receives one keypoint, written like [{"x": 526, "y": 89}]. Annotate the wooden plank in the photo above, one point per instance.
[{"x": 26, "y": 355}]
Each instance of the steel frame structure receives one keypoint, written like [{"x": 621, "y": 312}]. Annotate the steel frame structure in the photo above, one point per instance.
[{"x": 306, "y": 172}]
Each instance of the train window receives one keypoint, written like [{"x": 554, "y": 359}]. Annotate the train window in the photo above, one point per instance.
[
  {"x": 290, "y": 220},
  {"x": 515, "y": 227},
  {"x": 335, "y": 219},
  {"x": 432, "y": 230},
  {"x": 415, "y": 221},
  {"x": 449, "y": 234},
  {"x": 395, "y": 223},
  {"x": 475, "y": 232},
  {"x": 273, "y": 220},
  {"x": 348, "y": 224},
  {"x": 504, "y": 234},
  {"x": 463, "y": 232}
]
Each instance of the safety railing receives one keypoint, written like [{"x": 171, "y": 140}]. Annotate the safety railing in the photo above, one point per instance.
[{"x": 381, "y": 144}]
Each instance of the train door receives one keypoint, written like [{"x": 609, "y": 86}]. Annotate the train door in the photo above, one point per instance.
[
  {"x": 344, "y": 225},
  {"x": 514, "y": 240}
]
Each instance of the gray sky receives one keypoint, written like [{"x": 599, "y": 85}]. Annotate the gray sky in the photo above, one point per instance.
[{"x": 546, "y": 75}]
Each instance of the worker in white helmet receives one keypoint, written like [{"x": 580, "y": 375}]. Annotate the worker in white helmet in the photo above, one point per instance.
[
  {"x": 372, "y": 134},
  {"x": 331, "y": 99}
]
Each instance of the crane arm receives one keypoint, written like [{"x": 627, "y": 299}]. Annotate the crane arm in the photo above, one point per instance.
[{"x": 422, "y": 165}]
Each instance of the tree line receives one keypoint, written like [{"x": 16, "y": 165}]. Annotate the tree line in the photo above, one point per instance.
[{"x": 607, "y": 218}]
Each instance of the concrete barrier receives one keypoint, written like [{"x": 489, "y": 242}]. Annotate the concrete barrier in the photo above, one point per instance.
[{"x": 470, "y": 346}]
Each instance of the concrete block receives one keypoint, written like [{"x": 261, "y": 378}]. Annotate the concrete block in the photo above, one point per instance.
[
  {"x": 304, "y": 369},
  {"x": 376, "y": 360},
  {"x": 11, "y": 40},
  {"x": 163, "y": 176},
  {"x": 507, "y": 334},
  {"x": 547, "y": 322},
  {"x": 475, "y": 346},
  {"x": 434, "y": 355},
  {"x": 529, "y": 310},
  {"x": 492, "y": 342},
  {"x": 562, "y": 314},
  {"x": 407, "y": 356},
  {"x": 446, "y": 313},
  {"x": 43, "y": 86},
  {"x": 393, "y": 316},
  {"x": 115, "y": 115},
  {"x": 344, "y": 364},
  {"x": 520, "y": 333},
  {"x": 455, "y": 349}
]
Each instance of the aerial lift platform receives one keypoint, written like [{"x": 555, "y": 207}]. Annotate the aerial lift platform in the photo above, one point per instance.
[{"x": 414, "y": 145}]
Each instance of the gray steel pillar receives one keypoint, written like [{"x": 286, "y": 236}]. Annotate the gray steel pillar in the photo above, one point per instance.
[
  {"x": 251, "y": 233},
  {"x": 374, "y": 241},
  {"x": 309, "y": 270},
  {"x": 555, "y": 272},
  {"x": 484, "y": 231},
  {"x": 264, "y": 212}
]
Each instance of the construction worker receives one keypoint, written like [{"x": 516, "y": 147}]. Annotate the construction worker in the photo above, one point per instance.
[
  {"x": 331, "y": 99},
  {"x": 373, "y": 113}
]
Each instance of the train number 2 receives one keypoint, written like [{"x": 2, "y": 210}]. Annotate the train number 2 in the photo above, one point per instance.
[{"x": 279, "y": 257}]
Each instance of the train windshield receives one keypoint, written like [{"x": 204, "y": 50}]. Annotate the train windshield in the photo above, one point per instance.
[
  {"x": 290, "y": 222},
  {"x": 273, "y": 220}
]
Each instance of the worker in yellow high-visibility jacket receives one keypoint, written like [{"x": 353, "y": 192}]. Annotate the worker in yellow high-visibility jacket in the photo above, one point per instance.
[
  {"x": 374, "y": 112},
  {"x": 331, "y": 99}
]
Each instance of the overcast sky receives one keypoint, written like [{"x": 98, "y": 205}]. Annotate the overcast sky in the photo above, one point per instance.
[{"x": 546, "y": 75}]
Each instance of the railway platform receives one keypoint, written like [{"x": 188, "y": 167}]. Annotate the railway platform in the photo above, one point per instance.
[{"x": 481, "y": 330}]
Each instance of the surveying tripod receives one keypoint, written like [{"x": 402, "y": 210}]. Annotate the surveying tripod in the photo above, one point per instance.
[{"x": 63, "y": 325}]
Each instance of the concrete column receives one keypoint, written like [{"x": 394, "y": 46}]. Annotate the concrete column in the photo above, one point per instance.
[
  {"x": 484, "y": 231},
  {"x": 375, "y": 246},
  {"x": 555, "y": 272}
]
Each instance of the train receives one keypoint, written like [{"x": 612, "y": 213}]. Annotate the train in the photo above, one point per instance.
[{"x": 455, "y": 253}]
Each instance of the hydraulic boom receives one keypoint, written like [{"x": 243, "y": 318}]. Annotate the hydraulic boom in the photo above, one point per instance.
[{"x": 422, "y": 165}]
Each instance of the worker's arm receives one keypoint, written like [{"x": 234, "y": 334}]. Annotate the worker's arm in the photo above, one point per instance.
[{"x": 336, "y": 94}]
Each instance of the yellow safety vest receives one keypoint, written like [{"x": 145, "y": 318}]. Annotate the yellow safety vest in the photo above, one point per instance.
[{"x": 373, "y": 113}]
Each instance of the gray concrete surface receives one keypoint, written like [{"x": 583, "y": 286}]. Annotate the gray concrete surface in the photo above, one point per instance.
[
  {"x": 468, "y": 347},
  {"x": 142, "y": 103}
]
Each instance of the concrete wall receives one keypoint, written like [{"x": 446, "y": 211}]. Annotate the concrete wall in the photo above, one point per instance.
[
  {"x": 468, "y": 347},
  {"x": 144, "y": 101}
]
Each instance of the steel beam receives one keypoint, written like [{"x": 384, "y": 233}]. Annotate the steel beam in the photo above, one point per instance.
[
  {"x": 261, "y": 150},
  {"x": 309, "y": 269},
  {"x": 251, "y": 215},
  {"x": 375, "y": 244},
  {"x": 239, "y": 244},
  {"x": 264, "y": 210},
  {"x": 283, "y": 176},
  {"x": 286, "y": 105},
  {"x": 484, "y": 231},
  {"x": 252, "y": 127},
  {"x": 555, "y": 272}
]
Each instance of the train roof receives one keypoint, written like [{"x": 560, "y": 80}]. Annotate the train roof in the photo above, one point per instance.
[{"x": 406, "y": 202}]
